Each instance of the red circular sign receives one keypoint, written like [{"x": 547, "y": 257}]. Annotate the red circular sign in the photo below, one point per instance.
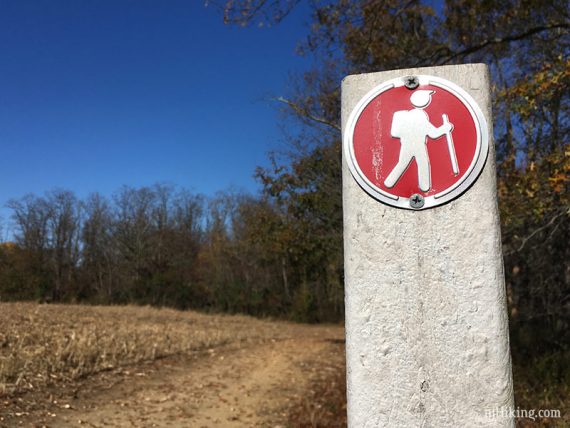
[{"x": 427, "y": 143}]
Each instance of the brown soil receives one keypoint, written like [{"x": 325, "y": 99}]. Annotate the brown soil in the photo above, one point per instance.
[{"x": 235, "y": 385}]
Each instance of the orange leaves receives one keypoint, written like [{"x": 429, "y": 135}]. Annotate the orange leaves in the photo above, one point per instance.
[
  {"x": 558, "y": 182},
  {"x": 528, "y": 94}
]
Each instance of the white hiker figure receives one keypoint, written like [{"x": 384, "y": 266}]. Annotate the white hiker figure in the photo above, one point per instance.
[{"x": 413, "y": 127}]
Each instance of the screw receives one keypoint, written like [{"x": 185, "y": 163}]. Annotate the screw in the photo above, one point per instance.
[
  {"x": 411, "y": 82},
  {"x": 417, "y": 201}
]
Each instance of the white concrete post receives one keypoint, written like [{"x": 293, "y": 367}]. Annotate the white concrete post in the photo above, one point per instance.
[{"x": 426, "y": 321}]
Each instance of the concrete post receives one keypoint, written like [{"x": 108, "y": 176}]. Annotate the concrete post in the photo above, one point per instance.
[{"x": 426, "y": 322}]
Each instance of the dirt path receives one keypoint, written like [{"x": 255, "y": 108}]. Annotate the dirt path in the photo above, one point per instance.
[{"x": 231, "y": 386}]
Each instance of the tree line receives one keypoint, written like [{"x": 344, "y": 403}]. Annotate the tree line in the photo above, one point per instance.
[{"x": 163, "y": 246}]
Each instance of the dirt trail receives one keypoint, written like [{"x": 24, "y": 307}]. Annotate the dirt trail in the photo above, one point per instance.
[{"x": 231, "y": 386}]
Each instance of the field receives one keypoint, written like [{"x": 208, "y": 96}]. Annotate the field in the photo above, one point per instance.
[
  {"x": 139, "y": 366},
  {"x": 67, "y": 366}
]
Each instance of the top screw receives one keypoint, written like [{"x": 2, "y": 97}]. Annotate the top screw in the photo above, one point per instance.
[{"x": 411, "y": 82}]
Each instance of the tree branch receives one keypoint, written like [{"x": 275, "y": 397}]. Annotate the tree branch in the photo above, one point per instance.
[
  {"x": 540, "y": 229},
  {"x": 303, "y": 112},
  {"x": 243, "y": 12},
  {"x": 507, "y": 39}
]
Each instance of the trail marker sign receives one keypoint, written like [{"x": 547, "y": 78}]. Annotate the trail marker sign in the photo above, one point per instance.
[
  {"x": 426, "y": 322},
  {"x": 416, "y": 138}
]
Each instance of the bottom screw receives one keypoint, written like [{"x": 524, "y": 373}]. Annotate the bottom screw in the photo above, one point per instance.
[{"x": 417, "y": 201}]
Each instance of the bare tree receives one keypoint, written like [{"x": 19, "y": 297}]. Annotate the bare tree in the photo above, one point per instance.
[
  {"x": 98, "y": 249},
  {"x": 63, "y": 227}
]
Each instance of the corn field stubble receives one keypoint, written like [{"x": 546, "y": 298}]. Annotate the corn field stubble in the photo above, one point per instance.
[{"x": 49, "y": 344}]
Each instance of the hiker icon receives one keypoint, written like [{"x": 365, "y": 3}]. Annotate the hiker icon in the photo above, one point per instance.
[{"x": 413, "y": 128}]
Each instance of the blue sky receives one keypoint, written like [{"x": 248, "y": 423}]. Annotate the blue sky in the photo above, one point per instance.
[{"x": 96, "y": 94}]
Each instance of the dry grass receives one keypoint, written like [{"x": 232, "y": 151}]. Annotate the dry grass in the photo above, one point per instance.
[
  {"x": 46, "y": 344},
  {"x": 324, "y": 405},
  {"x": 543, "y": 383}
]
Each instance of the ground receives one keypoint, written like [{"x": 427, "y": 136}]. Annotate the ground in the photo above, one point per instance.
[{"x": 236, "y": 383}]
